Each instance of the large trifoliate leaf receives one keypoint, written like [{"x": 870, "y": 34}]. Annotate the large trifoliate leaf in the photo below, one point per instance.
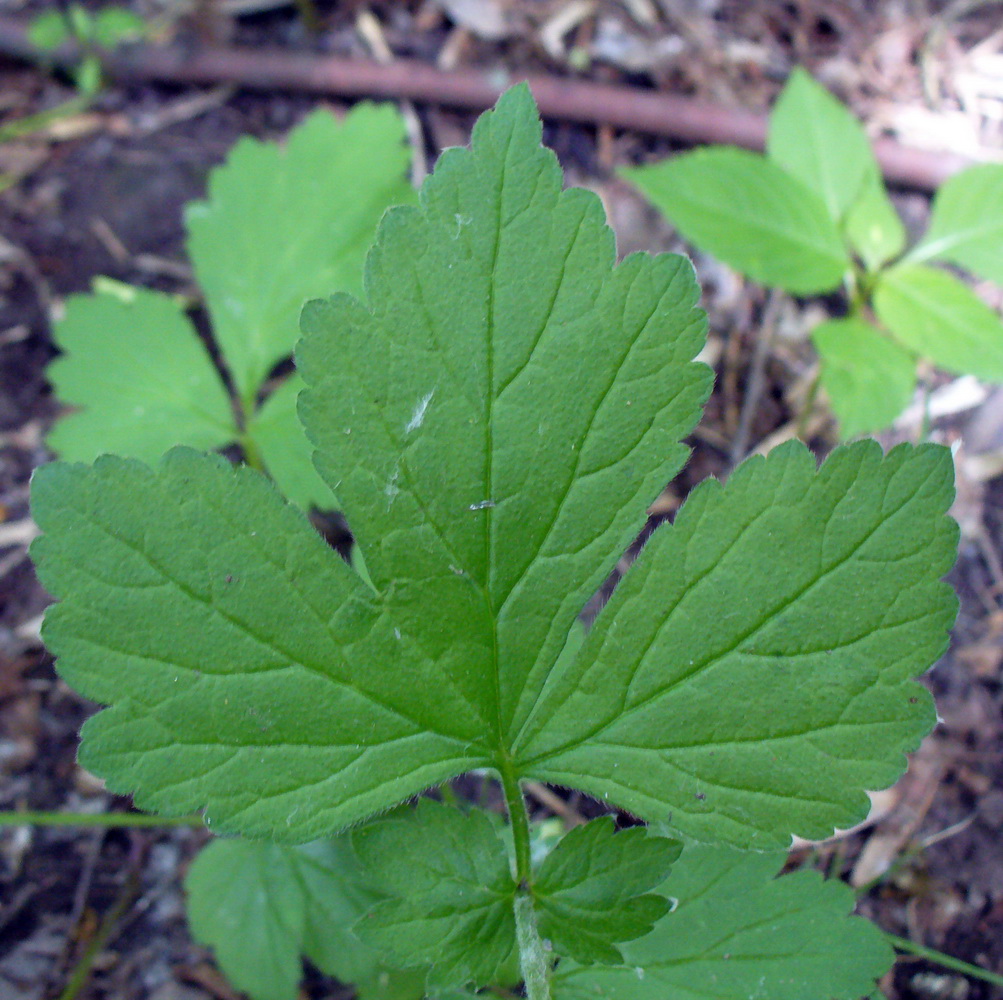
[
  {"x": 280, "y": 226},
  {"x": 736, "y": 931},
  {"x": 140, "y": 375},
  {"x": 750, "y": 213},
  {"x": 451, "y": 892},
  {"x": 495, "y": 420},
  {"x": 941, "y": 318},
  {"x": 260, "y": 906},
  {"x": 868, "y": 378},
  {"x": 593, "y": 889},
  {"x": 751, "y": 674},
  {"x": 817, "y": 140},
  {"x": 966, "y": 223}
]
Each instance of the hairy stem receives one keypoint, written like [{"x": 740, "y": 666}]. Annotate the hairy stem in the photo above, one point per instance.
[
  {"x": 534, "y": 960},
  {"x": 94, "y": 819}
]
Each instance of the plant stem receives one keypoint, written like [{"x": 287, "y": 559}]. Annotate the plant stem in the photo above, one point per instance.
[
  {"x": 95, "y": 819},
  {"x": 807, "y": 408},
  {"x": 533, "y": 957},
  {"x": 519, "y": 821},
  {"x": 252, "y": 455},
  {"x": 43, "y": 119},
  {"x": 534, "y": 960},
  {"x": 82, "y": 972},
  {"x": 938, "y": 957}
]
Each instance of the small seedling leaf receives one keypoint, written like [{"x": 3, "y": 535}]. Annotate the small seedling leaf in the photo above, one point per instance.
[
  {"x": 868, "y": 378},
  {"x": 143, "y": 380},
  {"x": 593, "y": 891},
  {"x": 48, "y": 30},
  {"x": 451, "y": 892},
  {"x": 872, "y": 225},
  {"x": 816, "y": 139},
  {"x": 260, "y": 906},
  {"x": 751, "y": 214},
  {"x": 941, "y": 318},
  {"x": 736, "y": 931},
  {"x": 966, "y": 223},
  {"x": 280, "y": 226},
  {"x": 751, "y": 674},
  {"x": 114, "y": 25}
]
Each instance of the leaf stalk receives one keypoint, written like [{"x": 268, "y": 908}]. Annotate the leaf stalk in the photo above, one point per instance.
[{"x": 534, "y": 959}]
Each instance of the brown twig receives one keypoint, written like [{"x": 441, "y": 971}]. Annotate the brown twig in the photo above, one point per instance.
[{"x": 682, "y": 118}]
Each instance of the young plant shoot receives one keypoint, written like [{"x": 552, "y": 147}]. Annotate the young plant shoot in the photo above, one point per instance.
[
  {"x": 493, "y": 416},
  {"x": 813, "y": 216}
]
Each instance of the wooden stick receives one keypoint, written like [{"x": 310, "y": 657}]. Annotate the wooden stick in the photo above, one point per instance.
[{"x": 567, "y": 99}]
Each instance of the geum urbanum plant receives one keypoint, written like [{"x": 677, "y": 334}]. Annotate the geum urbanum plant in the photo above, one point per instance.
[
  {"x": 813, "y": 217},
  {"x": 493, "y": 417},
  {"x": 279, "y": 225}
]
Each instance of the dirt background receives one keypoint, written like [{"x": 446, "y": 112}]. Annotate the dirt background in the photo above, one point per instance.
[{"x": 98, "y": 913}]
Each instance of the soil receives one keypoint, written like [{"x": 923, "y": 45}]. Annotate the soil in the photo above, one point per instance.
[{"x": 103, "y": 194}]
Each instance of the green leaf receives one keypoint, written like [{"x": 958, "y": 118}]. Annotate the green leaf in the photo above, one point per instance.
[
  {"x": 81, "y": 22},
  {"x": 48, "y": 30},
  {"x": 88, "y": 75},
  {"x": 942, "y": 319},
  {"x": 280, "y": 226},
  {"x": 114, "y": 25},
  {"x": 592, "y": 890},
  {"x": 816, "y": 139},
  {"x": 736, "y": 931},
  {"x": 287, "y": 454},
  {"x": 451, "y": 893},
  {"x": 495, "y": 421},
  {"x": 966, "y": 222},
  {"x": 868, "y": 378},
  {"x": 751, "y": 214},
  {"x": 260, "y": 906},
  {"x": 751, "y": 675},
  {"x": 872, "y": 225},
  {"x": 143, "y": 380},
  {"x": 248, "y": 666}
]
